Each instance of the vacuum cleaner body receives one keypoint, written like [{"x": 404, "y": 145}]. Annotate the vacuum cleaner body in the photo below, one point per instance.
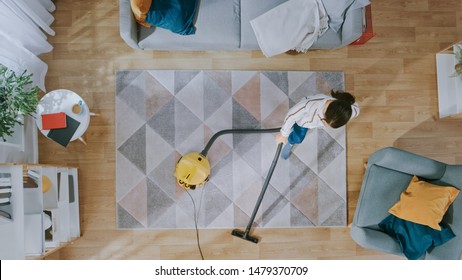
[{"x": 192, "y": 170}]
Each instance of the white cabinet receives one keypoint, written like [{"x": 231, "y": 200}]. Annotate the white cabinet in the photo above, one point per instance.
[
  {"x": 39, "y": 209},
  {"x": 449, "y": 84}
]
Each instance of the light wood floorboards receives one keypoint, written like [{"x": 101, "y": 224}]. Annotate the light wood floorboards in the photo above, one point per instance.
[{"x": 393, "y": 76}]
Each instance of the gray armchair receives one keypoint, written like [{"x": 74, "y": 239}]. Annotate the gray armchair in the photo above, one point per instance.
[{"x": 388, "y": 174}]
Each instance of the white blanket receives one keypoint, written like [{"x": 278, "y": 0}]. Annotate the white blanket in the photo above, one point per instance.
[{"x": 293, "y": 25}]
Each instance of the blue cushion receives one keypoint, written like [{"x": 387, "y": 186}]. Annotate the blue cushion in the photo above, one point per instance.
[
  {"x": 415, "y": 239},
  {"x": 174, "y": 15}
]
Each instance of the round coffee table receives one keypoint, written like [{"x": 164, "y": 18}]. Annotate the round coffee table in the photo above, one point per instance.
[{"x": 62, "y": 100}]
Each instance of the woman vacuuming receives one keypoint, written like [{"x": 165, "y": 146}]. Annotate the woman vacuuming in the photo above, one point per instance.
[{"x": 315, "y": 111}]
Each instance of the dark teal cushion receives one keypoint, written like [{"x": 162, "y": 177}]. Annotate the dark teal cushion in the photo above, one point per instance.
[
  {"x": 415, "y": 239},
  {"x": 174, "y": 15}
]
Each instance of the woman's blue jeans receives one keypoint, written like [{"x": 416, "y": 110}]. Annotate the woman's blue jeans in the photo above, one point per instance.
[{"x": 297, "y": 135}]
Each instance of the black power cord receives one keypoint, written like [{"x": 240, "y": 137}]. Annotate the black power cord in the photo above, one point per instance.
[{"x": 195, "y": 223}]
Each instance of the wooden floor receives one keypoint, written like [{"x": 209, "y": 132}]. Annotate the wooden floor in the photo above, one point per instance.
[{"x": 393, "y": 77}]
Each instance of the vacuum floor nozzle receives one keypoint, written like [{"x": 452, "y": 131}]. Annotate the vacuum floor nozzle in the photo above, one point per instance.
[{"x": 245, "y": 235}]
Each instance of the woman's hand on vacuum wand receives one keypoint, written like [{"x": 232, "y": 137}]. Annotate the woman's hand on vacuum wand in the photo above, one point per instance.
[{"x": 281, "y": 138}]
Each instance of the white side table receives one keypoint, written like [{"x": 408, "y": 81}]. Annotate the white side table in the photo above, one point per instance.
[
  {"x": 449, "y": 86},
  {"x": 62, "y": 100}
]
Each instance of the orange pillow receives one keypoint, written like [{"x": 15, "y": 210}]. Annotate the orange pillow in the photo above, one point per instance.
[
  {"x": 140, "y": 9},
  {"x": 424, "y": 203}
]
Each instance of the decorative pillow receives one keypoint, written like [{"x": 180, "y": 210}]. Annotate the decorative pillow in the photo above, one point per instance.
[
  {"x": 424, "y": 203},
  {"x": 337, "y": 9},
  {"x": 415, "y": 239},
  {"x": 140, "y": 9},
  {"x": 174, "y": 15}
]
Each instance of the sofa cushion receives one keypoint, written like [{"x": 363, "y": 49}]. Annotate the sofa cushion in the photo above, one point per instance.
[
  {"x": 140, "y": 9},
  {"x": 174, "y": 15},
  {"x": 337, "y": 9},
  {"x": 250, "y": 9},
  {"x": 381, "y": 189},
  {"x": 329, "y": 39},
  {"x": 424, "y": 203},
  {"x": 415, "y": 239},
  {"x": 217, "y": 28}
]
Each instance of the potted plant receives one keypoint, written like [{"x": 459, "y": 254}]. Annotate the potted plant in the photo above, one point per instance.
[
  {"x": 458, "y": 65},
  {"x": 17, "y": 98}
]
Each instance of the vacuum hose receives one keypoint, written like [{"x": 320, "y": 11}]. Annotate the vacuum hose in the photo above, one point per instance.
[{"x": 229, "y": 131}]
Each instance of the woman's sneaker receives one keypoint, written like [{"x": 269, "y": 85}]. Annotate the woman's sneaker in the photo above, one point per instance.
[{"x": 286, "y": 151}]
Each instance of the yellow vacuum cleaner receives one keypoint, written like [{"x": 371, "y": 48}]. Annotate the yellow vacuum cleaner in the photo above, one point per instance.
[{"x": 193, "y": 170}]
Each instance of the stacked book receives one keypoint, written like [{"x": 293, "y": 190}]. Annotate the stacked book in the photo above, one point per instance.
[
  {"x": 61, "y": 127},
  {"x": 5, "y": 196}
]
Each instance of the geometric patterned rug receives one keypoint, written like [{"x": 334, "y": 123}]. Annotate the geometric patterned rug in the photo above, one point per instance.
[{"x": 163, "y": 114}]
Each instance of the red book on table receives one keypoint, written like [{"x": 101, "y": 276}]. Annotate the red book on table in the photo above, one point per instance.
[{"x": 53, "y": 121}]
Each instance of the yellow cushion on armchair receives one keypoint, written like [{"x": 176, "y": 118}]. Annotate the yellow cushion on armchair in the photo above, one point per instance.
[
  {"x": 424, "y": 203},
  {"x": 140, "y": 9}
]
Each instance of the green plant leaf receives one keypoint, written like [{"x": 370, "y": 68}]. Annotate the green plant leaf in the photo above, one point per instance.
[{"x": 17, "y": 97}]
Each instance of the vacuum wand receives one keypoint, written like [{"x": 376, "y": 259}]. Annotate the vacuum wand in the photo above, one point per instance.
[{"x": 246, "y": 234}]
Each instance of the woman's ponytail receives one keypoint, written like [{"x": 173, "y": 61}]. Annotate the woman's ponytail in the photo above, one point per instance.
[
  {"x": 339, "y": 111},
  {"x": 344, "y": 96}
]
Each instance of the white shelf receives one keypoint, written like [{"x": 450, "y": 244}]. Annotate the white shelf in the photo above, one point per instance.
[
  {"x": 12, "y": 234},
  {"x": 25, "y": 234}
]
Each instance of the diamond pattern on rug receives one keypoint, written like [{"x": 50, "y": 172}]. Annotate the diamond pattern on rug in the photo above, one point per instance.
[
  {"x": 248, "y": 96},
  {"x": 215, "y": 202},
  {"x": 307, "y": 87},
  {"x": 328, "y": 149},
  {"x": 215, "y": 94},
  {"x": 135, "y": 93},
  {"x": 242, "y": 119},
  {"x": 127, "y": 121},
  {"x": 329, "y": 200},
  {"x": 279, "y": 78},
  {"x": 162, "y": 176},
  {"x": 127, "y": 175},
  {"x": 274, "y": 210},
  {"x": 157, "y": 149},
  {"x": 182, "y": 78},
  {"x": 221, "y": 78},
  {"x": 166, "y": 78},
  {"x": 156, "y": 96},
  {"x": 185, "y": 122},
  {"x": 135, "y": 203},
  {"x": 125, "y": 78},
  {"x": 158, "y": 203},
  {"x": 134, "y": 149},
  {"x": 223, "y": 117},
  {"x": 272, "y": 97},
  {"x": 125, "y": 220},
  {"x": 223, "y": 175},
  {"x": 164, "y": 122},
  {"x": 163, "y": 114},
  {"x": 325, "y": 81},
  {"x": 192, "y": 96}
]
